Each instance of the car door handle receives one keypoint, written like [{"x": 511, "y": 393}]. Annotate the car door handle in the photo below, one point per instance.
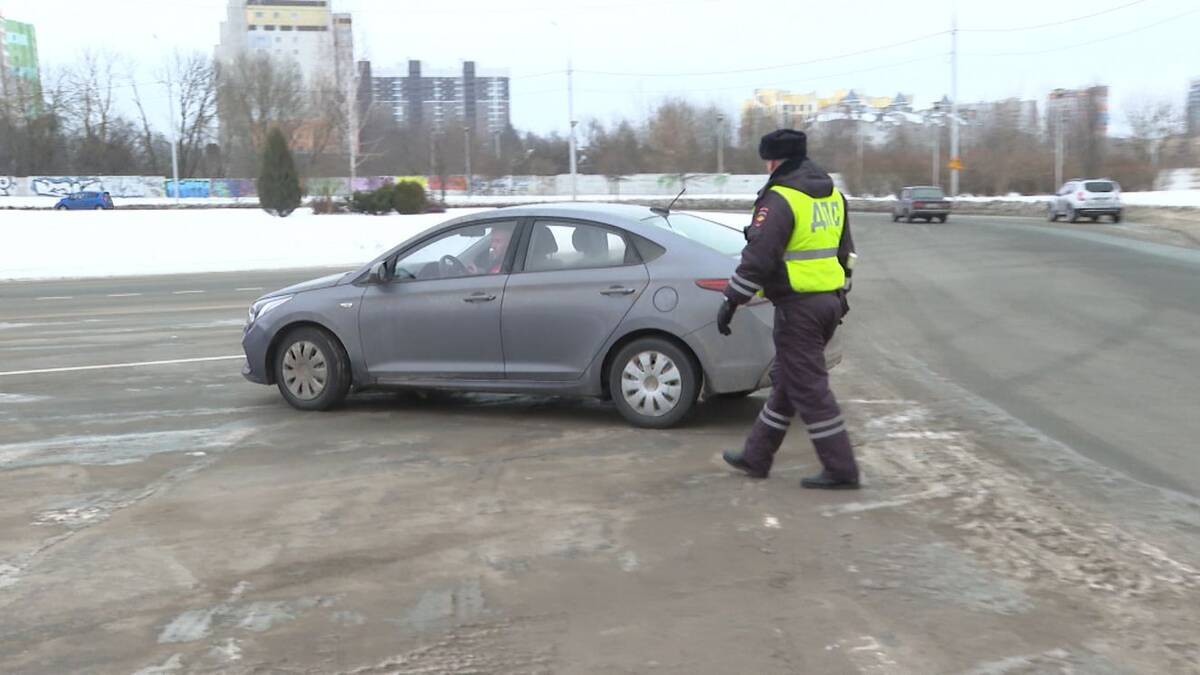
[
  {"x": 479, "y": 297},
  {"x": 618, "y": 290}
]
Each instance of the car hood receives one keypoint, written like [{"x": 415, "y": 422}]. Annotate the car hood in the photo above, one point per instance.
[{"x": 311, "y": 285}]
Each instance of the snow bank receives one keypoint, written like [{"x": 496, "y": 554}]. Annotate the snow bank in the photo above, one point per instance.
[{"x": 47, "y": 244}]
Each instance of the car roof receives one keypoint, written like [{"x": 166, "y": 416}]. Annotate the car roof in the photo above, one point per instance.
[{"x": 628, "y": 216}]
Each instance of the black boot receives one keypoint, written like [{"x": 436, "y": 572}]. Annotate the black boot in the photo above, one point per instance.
[
  {"x": 737, "y": 460},
  {"x": 824, "y": 481}
]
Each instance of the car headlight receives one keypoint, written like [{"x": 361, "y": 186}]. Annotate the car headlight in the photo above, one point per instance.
[{"x": 258, "y": 309}]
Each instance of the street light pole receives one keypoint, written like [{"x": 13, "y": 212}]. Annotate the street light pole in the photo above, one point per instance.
[
  {"x": 720, "y": 144},
  {"x": 467, "y": 144},
  {"x": 571, "y": 115},
  {"x": 937, "y": 153},
  {"x": 954, "y": 104},
  {"x": 174, "y": 134}
]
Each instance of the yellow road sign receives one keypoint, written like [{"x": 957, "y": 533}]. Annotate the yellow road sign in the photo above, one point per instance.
[{"x": 955, "y": 164}]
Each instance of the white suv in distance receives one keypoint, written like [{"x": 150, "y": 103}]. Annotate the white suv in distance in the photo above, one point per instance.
[{"x": 1087, "y": 199}]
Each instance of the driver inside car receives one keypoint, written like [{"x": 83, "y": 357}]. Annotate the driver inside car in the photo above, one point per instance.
[{"x": 491, "y": 261}]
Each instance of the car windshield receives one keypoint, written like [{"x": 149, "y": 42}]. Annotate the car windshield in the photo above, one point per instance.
[
  {"x": 720, "y": 238},
  {"x": 1099, "y": 186},
  {"x": 928, "y": 193}
]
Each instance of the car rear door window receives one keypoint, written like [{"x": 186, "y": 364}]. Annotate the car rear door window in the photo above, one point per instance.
[{"x": 565, "y": 245}]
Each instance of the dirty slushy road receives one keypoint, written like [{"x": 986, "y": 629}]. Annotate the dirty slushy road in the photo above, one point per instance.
[{"x": 1023, "y": 403}]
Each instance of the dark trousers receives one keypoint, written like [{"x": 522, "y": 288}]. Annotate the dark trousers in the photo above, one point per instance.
[{"x": 801, "y": 388}]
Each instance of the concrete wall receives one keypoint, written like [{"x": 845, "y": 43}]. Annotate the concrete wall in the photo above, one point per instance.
[{"x": 661, "y": 185}]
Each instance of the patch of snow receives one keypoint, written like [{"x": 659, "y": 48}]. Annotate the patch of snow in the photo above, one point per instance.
[{"x": 118, "y": 243}]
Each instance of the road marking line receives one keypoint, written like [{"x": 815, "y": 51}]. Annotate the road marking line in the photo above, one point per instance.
[
  {"x": 108, "y": 366},
  {"x": 122, "y": 295},
  {"x": 57, "y": 297},
  {"x": 250, "y": 288},
  {"x": 186, "y": 292}
]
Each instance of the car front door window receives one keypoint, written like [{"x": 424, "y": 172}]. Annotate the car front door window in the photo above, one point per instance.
[{"x": 469, "y": 251}]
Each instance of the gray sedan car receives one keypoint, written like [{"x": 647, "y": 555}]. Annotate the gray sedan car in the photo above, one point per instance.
[{"x": 583, "y": 300}]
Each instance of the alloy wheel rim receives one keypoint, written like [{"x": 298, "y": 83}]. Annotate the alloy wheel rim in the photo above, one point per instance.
[
  {"x": 651, "y": 384},
  {"x": 305, "y": 370}
]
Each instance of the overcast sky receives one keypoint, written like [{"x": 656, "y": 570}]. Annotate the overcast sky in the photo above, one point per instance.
[{"x": 654, "y": 49}]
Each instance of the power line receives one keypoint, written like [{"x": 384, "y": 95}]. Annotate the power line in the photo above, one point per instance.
[
  {"x": 1054, "y": 24},
  {"x": 1097, "y": 40},
  {"x": 739, "y": 71},
  {"x": 792, "y": 82}
]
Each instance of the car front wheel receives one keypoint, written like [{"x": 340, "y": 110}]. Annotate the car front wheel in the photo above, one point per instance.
[
  {"x": 311, "y": 369},
  {"x": 654, "y": 383}
]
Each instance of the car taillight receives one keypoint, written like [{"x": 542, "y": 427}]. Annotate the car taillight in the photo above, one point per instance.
[
  {"x": 918, "y": 205},
  {"x": 719, "y": 285},
  {"x": 1080, "y": 196}
]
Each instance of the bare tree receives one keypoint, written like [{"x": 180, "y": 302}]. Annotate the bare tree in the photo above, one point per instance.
[{"x": 255, "y": 93}]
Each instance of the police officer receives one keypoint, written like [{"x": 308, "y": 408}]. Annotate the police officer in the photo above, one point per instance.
[{"x": 799, "y": 255}]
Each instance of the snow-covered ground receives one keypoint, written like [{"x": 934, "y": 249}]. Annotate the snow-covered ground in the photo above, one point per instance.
[{"x": 47, "y": 244}]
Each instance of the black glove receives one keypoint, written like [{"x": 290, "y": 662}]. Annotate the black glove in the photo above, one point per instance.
[{"x": 724, "y": 316}]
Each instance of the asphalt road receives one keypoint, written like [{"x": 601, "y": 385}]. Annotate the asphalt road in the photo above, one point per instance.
[
  {"x": 1019, "y": 397},
  {"x": 1093, "y": 340}
]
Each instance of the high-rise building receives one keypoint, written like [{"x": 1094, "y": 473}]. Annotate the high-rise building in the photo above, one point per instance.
[
  {"x": 20, "y": 75},
  {"x": 434, "y": 99},
  {"x": 1013, "y": 113},
  {"x": 1193, "y": 109},
  {"x": 1082, "y": 108},
  {"x": 305, "y": 32}
]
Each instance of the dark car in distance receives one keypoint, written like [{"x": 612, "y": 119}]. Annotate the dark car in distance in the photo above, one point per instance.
[
  {"x": 85, "y": 201},
  {"x": 921, "y": 201}
]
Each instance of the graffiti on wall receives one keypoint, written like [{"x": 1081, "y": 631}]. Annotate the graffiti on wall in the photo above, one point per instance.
[
  {"x": 61, "y": 186},
  {"x": 190, "y": 188},
  {"x": 233, "y": 188},
  {"x": 8, "y": 186},
  {"x": 133, "y": 186}
]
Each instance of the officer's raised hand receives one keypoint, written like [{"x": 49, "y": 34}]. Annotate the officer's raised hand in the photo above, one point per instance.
[{"x": 725, "y": 316}]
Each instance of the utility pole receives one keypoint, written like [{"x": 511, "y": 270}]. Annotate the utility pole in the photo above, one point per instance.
[
  {"x": 352, "y": 118},
  {"x": 1058, "y": 144},
  {"x": 571, "y": 115},
  {"x": 955, "y": 161},
  {"x": 861, "y": 178},
  {"x": 467, "y": 145},
  {"x": 720, "y": 144},
  {"x": 937, "y": 152}
]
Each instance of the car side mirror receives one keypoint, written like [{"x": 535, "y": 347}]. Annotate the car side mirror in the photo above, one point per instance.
[{"x": 379, "y": 273}]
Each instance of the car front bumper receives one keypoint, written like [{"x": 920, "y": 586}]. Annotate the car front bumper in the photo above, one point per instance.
[{"x": 255, "y": 343}]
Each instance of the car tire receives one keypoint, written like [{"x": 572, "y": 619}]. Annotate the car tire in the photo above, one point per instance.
[
  {"x": 895, "y": 217},
  {"x": 99, "y": 208},
  {"x": 942, "y": 219},
  {"x": 910, "y": 219},
  {"x": 302, "y": 357},
  {"x": 1071, "y": 215},
  {"x": 1116, "y": 217},
  {"x": 654, "y": 383},
  {"x": 1052, "y": 215},
  {"x": 60, "y": 208}
]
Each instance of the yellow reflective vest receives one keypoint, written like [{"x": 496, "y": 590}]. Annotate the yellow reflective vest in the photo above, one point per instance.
[{"x": 811, "y": 254}]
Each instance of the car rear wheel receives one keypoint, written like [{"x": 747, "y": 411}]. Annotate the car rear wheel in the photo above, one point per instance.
[
  {"x": 942, "y": 219},
  {"x": 1116, "y": 217},
  {"x": 60, "y": 208},
  {"x": 654, "y": 383},
  {"x": 311, "y": 369},
  {"x": 1071, "y": 215}
]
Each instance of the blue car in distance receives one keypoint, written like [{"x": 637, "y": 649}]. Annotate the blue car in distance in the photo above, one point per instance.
[{"x": 85, "y": 201}]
